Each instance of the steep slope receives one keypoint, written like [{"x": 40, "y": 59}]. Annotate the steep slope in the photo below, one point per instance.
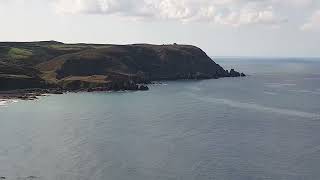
[
  {"x": 148, "y": 62},
  {"x": 18, "y": 77}
]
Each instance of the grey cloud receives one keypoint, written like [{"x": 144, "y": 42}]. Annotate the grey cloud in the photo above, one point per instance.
[{"x": 228, "y": 12}]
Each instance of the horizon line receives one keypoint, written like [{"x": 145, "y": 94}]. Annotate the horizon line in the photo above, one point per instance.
[{"x": 265, "y": 57}]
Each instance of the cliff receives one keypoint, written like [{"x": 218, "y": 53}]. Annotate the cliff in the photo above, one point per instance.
[{"x": 94, "y": 66}]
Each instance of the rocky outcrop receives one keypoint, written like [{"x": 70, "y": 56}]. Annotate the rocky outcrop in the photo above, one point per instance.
[{"x": 234, "y": 73}]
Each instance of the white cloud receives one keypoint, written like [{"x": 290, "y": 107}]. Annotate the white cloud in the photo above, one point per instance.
[
  {"x": 228, "y": 12},
  {"x": 247, "y": 15},
  {"x": 295, "y": 3},
  {"x": 313, "y": 22}
]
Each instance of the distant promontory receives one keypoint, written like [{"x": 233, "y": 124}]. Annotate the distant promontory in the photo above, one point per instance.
[{"x": 90, "y": 67}]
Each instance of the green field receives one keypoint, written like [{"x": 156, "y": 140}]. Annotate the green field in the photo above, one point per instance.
[{"x": 18, "y": 53}]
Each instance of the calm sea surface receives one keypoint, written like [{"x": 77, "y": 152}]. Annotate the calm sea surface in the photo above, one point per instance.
[{"x": 264, "y": 126}]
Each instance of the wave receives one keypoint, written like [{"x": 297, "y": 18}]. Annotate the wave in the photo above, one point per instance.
[
  {"x": 195, "y": 88},
  {"x": 305, "y": 91},
  {"x": 279, "y": 85},
  {"x": 4, "y": 103},
  {"x": 270, "y": 93},
  {"x": 158, "y": 84},
  {"x": 312, "y": 78},
  {"x": 258, "y": 107}
]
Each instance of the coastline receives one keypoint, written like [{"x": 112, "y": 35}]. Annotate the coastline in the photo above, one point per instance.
[
  {"x": 5, "y": 102},
  {"x": 26, "y": 94},
  {"x": 35, "y": 93}
]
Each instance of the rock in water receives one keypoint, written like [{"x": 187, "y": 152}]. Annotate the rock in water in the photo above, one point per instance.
[
  {"x": 143, "y": 88},
  {"x": 234, "y": 73}
]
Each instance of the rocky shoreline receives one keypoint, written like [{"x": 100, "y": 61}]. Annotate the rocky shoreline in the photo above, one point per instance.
[
  {"x": 28, "y": 94},
  {"x": 35, "y": 93}
]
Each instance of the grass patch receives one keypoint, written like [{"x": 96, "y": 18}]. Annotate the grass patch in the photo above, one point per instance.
[
  {"x": 64, "y": 47},
  {"x": 93, "y": 78},
  {"x": 75, "y": 47},
  {"x": 17, "y": 53}
]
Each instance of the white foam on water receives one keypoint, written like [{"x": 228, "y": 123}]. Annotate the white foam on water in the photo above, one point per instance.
[
  {"x": 4, "y": 103},
  {"x": 270, "y": 93},
  {"x": 158, "y": 84},
  {"x": 258, "y": 107}
]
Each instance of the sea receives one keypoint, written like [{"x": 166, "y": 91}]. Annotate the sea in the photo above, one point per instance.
[{"x": 265, "y": 126}]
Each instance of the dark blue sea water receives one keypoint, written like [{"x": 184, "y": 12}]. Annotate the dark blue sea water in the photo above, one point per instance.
[{"x": 264, "y": 126}]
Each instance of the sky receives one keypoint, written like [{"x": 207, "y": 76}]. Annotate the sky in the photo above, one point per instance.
[{"x": 264, "y": 28}]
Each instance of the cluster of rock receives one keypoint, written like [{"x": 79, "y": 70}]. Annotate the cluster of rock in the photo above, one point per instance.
[
  {"x": 26, "y": 178},
  {"x": 234, "y": 73},
  {"x": 134, "y": 87},
  {"x": 199, "y": 75},
  {"x": 29, "y": 94}
]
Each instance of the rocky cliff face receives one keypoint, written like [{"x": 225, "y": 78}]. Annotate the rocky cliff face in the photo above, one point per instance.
[{"x": 78, "y": 66}]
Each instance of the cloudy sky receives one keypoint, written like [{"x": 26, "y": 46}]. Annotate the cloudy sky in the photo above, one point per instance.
[{"x": 220, "y": 27}]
